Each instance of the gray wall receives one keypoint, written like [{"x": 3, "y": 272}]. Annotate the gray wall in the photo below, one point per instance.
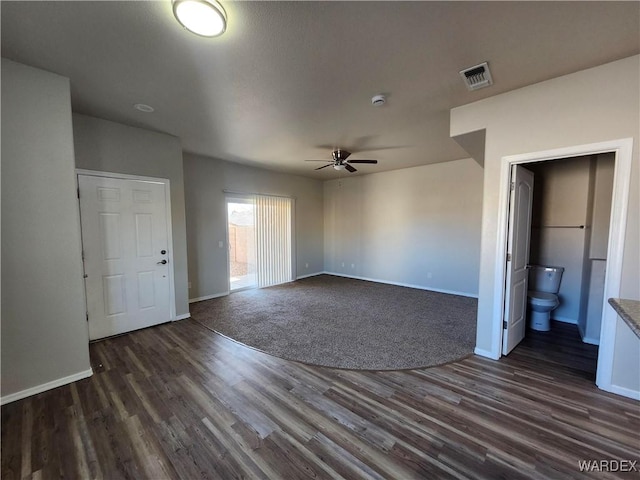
[
  {"x": 205, "y": 180},
  {"x": 602, "y": 185},
  {"x": 601, "y": 216},
  {"x": 44, "y": 329},
  {"x": 417, "y": 226},
  {"x": 111, "y": 147},
  {"x": 595, "y": 105}
]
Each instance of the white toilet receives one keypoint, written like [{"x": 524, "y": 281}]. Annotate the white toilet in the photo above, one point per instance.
[{"x": 544, "y": 283}]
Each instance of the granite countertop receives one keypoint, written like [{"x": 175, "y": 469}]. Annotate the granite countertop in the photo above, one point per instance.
[{"x": 629, "y": 311}]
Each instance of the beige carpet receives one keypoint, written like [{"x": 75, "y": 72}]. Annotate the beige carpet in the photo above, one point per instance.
[{"x": 345, "y": 323}]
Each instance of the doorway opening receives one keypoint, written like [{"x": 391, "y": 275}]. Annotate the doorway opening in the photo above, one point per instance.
[
  {"x": 612, "y": 271},
  {"x": 568, "y": 241},
  {"x": 241, "y": 228}
]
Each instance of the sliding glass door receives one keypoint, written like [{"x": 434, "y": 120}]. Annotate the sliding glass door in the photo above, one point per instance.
[
  {"x": 260, "y": 229},
  {"x": 241, "y": 228}
]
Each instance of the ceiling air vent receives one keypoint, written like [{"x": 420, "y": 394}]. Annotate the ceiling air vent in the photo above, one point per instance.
[{"x": 477, "y": 77}]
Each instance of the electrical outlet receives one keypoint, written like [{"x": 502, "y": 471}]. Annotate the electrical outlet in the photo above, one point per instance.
[
  {"x": 429, "y": 275},
  {"x": 353, "y": 265},
  {"x": 189, "y": 284},
  {"x": 342, "y": 264},
  {"x": 306, "y": 265},
  {"x": 220, "y": 244}
]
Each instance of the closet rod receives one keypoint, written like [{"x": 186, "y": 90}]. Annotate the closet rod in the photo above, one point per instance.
[{"x": 560, "y": 226}]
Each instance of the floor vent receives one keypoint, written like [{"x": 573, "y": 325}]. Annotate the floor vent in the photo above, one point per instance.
[{"x": 477, "y": 77}]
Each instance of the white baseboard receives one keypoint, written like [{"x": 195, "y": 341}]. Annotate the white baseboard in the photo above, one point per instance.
[
  {"x": 625, "y": 392},
  {"x": 208, "y": 297},
  {"x": 310, "y": 275},
  {"x": 400, "y": 284},
  {"x": 182, "y": 317},
  {"x": 585, "y": 339},
  {"x": 12, "y": 397},
  {"x": 485, "y": 353},
  {"x": 572, "y": 321}
]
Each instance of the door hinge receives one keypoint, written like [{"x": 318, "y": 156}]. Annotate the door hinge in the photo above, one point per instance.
[
  {"x": 504, "y": 324},
  {"x": 508, "y": 257},
  {"x": 513, "y": 186},
  {"x": 87, "y": 316},
  {"x": 78, "y": 192}
]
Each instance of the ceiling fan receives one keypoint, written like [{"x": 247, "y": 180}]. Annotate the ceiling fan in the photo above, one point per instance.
[{"x": 340, "y": 161}]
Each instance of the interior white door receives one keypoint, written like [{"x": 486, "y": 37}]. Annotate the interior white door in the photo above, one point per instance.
[
  {"x": 125, "y": 248},
  {"x": 520, "y": 205}
]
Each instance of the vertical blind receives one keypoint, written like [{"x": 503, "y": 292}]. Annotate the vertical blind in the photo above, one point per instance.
[{"x": 273, "y": 240}]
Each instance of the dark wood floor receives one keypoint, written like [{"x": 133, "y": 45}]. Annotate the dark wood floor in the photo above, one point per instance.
[
  {"x": 177, "y": 401},
  {"x": 560, "y": 349}
]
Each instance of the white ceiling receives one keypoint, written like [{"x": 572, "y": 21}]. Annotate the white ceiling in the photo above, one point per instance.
[{"x": 291, "y": 80}]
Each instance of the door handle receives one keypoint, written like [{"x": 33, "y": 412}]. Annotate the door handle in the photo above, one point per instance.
[{"x": 162, "y": 262}]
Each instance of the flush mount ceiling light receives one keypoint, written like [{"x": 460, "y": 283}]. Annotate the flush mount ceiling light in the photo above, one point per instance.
[
  {"x": 339, "y": 166},
  {"x": 206, "y": 18}
]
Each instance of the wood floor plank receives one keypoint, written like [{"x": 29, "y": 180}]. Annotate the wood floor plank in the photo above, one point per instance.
[
  {"x": 571, "y": 425},
  {"x": 12, "y": 429},
  {"x": 178, "y": 401},
  {"x": 151, "y": 458},
  {"x": 80, "y": 418},
  {"x": 340, "y": 460},
  {"x": 26, "y": 435},
  {"x": 251, "y": 464}
]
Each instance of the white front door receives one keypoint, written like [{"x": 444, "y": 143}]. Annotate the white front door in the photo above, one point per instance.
[
  {"x": 520, "y": 204},
  {"x": 125, "y": 248}
]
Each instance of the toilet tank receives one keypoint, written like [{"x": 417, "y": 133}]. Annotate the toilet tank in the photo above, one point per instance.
[{"x": 544, "y": 278}]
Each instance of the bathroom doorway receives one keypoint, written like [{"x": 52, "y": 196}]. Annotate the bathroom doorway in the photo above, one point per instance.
[
  {"x": 570, "y": 229},
  {"x": 570, "y": 220},
  {"x": 620, "y": 150}
]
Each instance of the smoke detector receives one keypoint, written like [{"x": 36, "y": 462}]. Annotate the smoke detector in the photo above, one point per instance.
[
  {"x": 477, "y": 77},
  {"x": 378, "y": 100},
  {"x": 143, "y": 107}
]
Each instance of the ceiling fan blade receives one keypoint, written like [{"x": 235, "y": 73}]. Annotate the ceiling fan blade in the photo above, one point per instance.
[
  {"x": 324, "y": 166},
  {"x": 341, "y": 154},
  {"x": 326, "y": 161},
  {"x": 349, "y": 168},
  {"x": 362, "y": 161}
]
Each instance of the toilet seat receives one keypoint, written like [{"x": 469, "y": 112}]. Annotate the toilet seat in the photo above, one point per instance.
[{"x": 542, "y": 299}]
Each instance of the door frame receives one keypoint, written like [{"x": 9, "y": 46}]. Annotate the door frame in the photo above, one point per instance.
[
  {"x": 622, "y": 148},
  {"x": 167, "y": 192}
]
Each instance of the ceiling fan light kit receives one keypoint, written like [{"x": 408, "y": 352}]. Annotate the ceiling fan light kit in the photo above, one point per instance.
[
  {"x": 340, "y": 161},
  {"x": 206, "y": 18}
]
